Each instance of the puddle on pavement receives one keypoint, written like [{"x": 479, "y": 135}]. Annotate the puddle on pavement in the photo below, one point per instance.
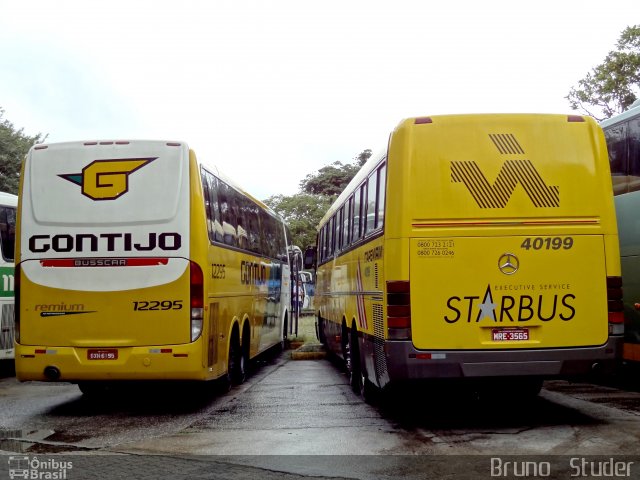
[{"x": 39, "y": 441}]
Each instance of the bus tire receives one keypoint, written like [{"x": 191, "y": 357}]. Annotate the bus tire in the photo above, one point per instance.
[
  {"x": 320, "y": 330},
  {"x": 285, "y": 333},
  {"x": 355, "y": 371},
  {"x": 236, "y": 369}
]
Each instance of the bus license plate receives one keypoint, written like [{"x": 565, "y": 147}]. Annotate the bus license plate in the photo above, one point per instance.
[
  {"x": 509, "y": 334},
  {"x": 102, "y": 354}
]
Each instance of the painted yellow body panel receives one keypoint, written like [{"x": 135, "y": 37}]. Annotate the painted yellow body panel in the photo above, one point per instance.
[{"x": 459, "y": 295}]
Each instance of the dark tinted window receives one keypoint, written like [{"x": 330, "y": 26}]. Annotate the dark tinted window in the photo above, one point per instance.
[
  {"x": 371, "y": 202},
  {"x": 616, "y": 137},
  {"x": 633, "y": 135},
  {"x": 8, "y": 232},
  {"x": 339, "y": 229},
  {"x": 358, "y": 208},
  {"x": 236, "y": 220},
  {"x": 346, "y": 222},
  {"x": 382, "y": 188}
]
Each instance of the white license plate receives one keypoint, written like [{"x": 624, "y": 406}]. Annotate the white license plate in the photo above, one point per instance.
[
  {"x": 509, "y": 334},
  {"x": 102, "y": 354}
]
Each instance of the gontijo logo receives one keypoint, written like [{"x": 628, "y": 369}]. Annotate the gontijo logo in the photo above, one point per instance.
[{"x": 107, "y": 179}]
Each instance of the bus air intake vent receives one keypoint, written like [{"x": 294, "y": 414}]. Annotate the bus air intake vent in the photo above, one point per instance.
[{"x": 378, "y": 341}]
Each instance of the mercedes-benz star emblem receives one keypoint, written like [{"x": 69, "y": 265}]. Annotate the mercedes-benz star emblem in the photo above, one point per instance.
[{"x": 508, "y": 263}]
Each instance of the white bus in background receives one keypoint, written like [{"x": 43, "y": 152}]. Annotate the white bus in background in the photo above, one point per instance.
[{"x": 8, "y": 204}]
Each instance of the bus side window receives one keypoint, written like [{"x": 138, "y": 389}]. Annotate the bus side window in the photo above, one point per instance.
[
  {"x": 241, "y": 205},
  {"x": 616, "y": 137},
  {"x": 207, "y": 202},
  {"x": 339, "y": 230},
  {"x": 209, "y": 186},
  {"x": 253, "y": 228},
  {"x": 281, "y": 242},
  {"x": 7, "y": 232},
  {"x": 332, "y": 239},
  {"x": 371, "y": 203},
  {"x": 346, "y": 223},
  {"x": 382, "y": 187},
  {"x": 214, "y": 190},
  {"x": 357, "y": 217},
  {"x": 633, "y": 134},
  {"x": 227, "y": 215}
]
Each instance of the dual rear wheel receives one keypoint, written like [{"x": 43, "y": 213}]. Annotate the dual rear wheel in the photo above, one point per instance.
[{"x": 358, "y": 380}]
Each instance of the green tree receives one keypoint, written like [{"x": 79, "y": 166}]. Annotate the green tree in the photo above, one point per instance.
[
  {"x": 612, "y": 86},
  {"x": 14, "y": 145},
  {"x": 332, "y": 179},
  {"x": 302, "y": 212}
]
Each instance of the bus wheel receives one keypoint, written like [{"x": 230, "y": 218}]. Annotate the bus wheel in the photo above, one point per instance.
[
  {"x": 353, "y": 367},
  {"x": 320, "y": 330},
  {"x": 236, "y": 369},
  {"x": 368, "y": 391},
  {"x": 285, "y": 333}
]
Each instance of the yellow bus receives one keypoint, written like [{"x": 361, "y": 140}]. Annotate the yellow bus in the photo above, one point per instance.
[
  {"x": 135, "y": 261},
  {"x": 475, "y": 246},
  {"x": 8, "y": 203}
]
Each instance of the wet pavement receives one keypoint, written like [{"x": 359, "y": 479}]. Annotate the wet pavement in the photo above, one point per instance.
[{"x": 300, "y": 418}]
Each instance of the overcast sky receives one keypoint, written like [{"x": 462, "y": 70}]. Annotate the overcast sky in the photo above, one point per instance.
[{"x": 271, "y": 91}]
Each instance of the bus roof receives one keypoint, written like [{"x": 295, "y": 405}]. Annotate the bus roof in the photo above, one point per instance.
[
  {"x": 213, "y": 168},
  {"x": 633, "y": 111},
  {"x": 8, "y": 199}
]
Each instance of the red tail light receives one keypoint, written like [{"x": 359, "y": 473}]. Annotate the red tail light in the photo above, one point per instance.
[
  {"x": 614, "y": 300},
  {"x": 196, "y": 300},
  {"x": 197, "y": 286},
  {"x": 398, "y": 310}
]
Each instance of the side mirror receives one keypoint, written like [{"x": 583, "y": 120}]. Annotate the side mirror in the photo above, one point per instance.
[{"x": 310, "y": 255}]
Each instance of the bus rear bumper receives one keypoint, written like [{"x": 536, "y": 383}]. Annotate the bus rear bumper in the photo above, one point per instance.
[
  {"x": 404, "y": 362},
  {"x": 73, "y": 364}
]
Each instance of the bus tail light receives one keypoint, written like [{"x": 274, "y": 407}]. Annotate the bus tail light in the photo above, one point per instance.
[
  {"x": 398, "y": 310},
  {"x": 196, "y": 300},
  {"x": 615, "y": 305}
]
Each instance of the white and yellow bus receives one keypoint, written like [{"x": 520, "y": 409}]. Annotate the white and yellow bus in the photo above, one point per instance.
[
  {"x": 135, "y": 261},
  {"x": 8, "y": 204},
  {"x": 475, "y": 246}
]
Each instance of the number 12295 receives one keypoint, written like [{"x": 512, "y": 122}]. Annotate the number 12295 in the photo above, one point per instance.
[{"x": 158, "y": 305}]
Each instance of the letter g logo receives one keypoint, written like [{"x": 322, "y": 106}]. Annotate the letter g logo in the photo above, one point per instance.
[{"x": 106, "y": 179}]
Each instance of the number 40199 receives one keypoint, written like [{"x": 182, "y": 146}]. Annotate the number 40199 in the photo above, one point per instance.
[{"x": 547, "y": 243}]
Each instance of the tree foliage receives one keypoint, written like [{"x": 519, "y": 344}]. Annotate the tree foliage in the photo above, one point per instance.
[
  {"x": 332, "y": 179},
  {"x": 612, "y": 86},
  {"x": 14, "y": 145},
  {"x": 304, "y": 210}
]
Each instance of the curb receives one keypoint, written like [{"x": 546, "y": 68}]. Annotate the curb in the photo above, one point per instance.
[{"x": 309, "y": 351}]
